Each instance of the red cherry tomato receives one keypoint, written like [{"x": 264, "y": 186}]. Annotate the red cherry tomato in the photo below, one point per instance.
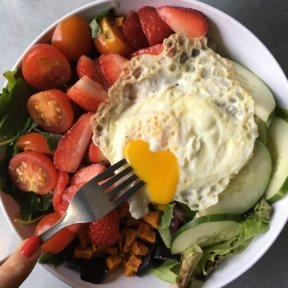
[
  {"x": 32, "y": 171},
  {"x": 73, "y": 37},
  {"x": 45, "y": 67},
  {"x": 51, "y": 110},
  {"x": 33, "y": 141},
  {"x": 60, "y": 240}
]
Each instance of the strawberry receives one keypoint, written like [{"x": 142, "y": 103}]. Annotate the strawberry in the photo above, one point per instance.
[
  {"x": 87, "y": 93},
  {"x": 85, "y": 174},
  {"x": 133, "y": 31},
  {"x": 112, "y": 65},
  {"x": 154, "y": 28},
  {"x": 184, "y": 20},
  {"x": 73, "y": 145},
  {"x": 105, "y": 231},
  {"x": 95, "y": 155},
  {"x": 62, "y": 182},
  {"x": 86, "y": 66},
  {"x": 103, "y": 81},
  {"x": 153, "y": 50}
]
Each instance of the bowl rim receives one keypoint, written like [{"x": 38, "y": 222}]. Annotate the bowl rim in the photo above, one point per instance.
[{"x": 199, "y": 5}]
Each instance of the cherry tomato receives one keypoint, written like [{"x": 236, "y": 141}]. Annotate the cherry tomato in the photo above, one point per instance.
[
  {"x": 73, "y": 37},
  {"x": 60, "y": 240},
  {"x": 51, "y": 110},
  {"x": 32, "y": 171},
  {"x": 33, "y": 141},
  {"x": 111, "y": 39},
  {"x": 45, "y": 67}
]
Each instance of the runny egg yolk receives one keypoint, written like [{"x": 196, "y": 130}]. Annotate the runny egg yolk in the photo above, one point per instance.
[{"x": 159, "y": 170}]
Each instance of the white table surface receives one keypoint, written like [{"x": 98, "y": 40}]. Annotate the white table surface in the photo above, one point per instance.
[{"x": 22, "y": 20}]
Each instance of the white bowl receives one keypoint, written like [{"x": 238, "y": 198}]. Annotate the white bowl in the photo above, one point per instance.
[{"x": 235, "y": 42}]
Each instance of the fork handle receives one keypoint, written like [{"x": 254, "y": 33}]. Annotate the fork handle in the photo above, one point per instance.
[{"x": 62, "y": 223}]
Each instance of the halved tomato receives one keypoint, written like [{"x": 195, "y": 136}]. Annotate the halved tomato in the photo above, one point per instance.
[
  {"x": 33, "y": 141},
  {"x": 45, "y": 67},
  {"x": 60, "y": 240},
  {"x": 32, "y": 172},
  {"x": 51, "y": 110}
]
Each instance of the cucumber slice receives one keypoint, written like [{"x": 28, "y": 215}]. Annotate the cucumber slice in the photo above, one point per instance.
[
  {"x": 243, "y": 191},
  {"x": 261, "y": 94},
  {"x": 206, "y": 230},
  {"x": 278, "y": 134}
]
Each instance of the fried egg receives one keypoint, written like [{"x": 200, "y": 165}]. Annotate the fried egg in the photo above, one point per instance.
[{"x": 185, "y": 100}]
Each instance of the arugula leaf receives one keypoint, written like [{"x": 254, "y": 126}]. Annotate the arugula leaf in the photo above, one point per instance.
[
  {"x": 94, "y": 24},
  {"x": 168, "y": 271},
  {"x": 13, "y": 101},
  {"x": 165, "y": 222}
]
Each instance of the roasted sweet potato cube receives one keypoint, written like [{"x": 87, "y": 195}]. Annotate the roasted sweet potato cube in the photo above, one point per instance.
[
  {"x": 83, "y": 253},
  {"x": 113, "y": 262},
  {"x": 111, "y": 251},
  {"x": 124, "y": 211},
  {"x": 138, "y": 248},
  {"x": 152, "y": 218},
  {"x": 131, "y": 265},
  {"x": 145, "y": 232},
  {"x": 129, "y": 237},
  {"x": 98, "y": 251},
  {"x": 84, "y": 240},
  {"x": 131, "y": 222}
]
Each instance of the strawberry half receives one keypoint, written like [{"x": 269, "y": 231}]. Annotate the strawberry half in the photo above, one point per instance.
[
  {"x": 87, "y": 93},
  {"x": 112, "y": 66},
  {"x": 73, "y": 145},
  {"x": 184, "y": 20},
  {"x": 85, "y": 174},
  {"x": 86, "y": 67},
  {"x": 105, "y": 231},
  {"x": 133, "y": 31},
  {"x": 95, "y": 155},
  {"x": 62, "y": 182},
  {"x": 153, "y": 50},
  {"x": 154, "y": 28}
]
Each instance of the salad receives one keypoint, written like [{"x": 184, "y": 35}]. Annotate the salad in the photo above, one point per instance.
[{"x": 47, "y": 108}]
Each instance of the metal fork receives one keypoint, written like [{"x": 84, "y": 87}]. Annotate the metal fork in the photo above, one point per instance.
[
  {"x": 96, "y": 198},
  {"x": 92, "y": 201}
]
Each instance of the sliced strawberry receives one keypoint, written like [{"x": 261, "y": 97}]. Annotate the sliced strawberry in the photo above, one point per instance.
[
  {"x": 73, "y": 145},
  {"x": 86, "y": 66},
  {"x": 87, "y": 93},
  {"x": 155, "y": 29},
  {"x": 184, "y": 20},
  {"x": 62, "y": 182},
  {"x": 95, "y": 155},
  {"x": 105, "y": 231},
  {"x": 85, "y": 174},
  {"x": 133, "y": 32},
  {"x": 112, "y": 65},
  {"x": 153, "y": 50},
  {"x": 100, "y": 73}
]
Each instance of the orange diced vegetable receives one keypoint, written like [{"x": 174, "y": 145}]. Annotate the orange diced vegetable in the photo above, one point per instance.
[
  {"x": 152, "y": 218},
  {"x": 124, "y": 210},
  {"x": 131, "y": 266},
  {"x": 130, "y": 236},
  {"x": 84, "y": 240},
  {"x": 139, "y": 248},
  {"x": 113, "y": 262},
  {"x": 145, "y": 232},
  {"x": 131, "y": 222},
  {"x": 111, "y": 251},
  {"x": 83, "y": 253},
  {"x": 98, "y": 251}
]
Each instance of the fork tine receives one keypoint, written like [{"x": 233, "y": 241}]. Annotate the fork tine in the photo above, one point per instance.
[
  {"x": 121, "y": 186},
  {"x": 109, "y": 171},
  {"x": 116, "y": 177},
  {"x": 128, "y": 193}
]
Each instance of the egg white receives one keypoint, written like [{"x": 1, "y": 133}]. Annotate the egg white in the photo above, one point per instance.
[{"x": 187, "y": 101}]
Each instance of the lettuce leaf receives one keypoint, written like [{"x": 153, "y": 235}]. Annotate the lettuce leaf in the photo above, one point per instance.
[
  {"x": 163, "y": 229},
  {"x": 94, "y": 24},
  {"x": 168, "y": 271}
]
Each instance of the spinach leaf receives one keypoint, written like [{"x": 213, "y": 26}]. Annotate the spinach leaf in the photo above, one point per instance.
[
  {"x": 94, "y": 24},
  {"x": 52, "y": 139},
  {"x": 49, "y": 258},
  {"x": 13, "y": 109},
  {"x": 168, "y": 271}
]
